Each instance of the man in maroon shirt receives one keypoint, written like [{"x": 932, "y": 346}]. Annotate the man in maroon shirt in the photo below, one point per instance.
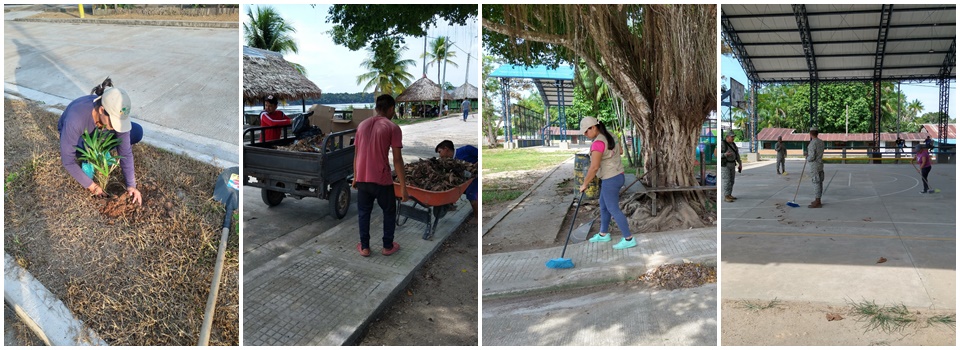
[
  {"x": 371, "y": 170},
  {"x": 272, "y": 117}
]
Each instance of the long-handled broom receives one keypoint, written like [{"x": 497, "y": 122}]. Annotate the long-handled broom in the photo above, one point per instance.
[
  {"x": 793, "y": 203},
  {"x": 561, "y": 262}
]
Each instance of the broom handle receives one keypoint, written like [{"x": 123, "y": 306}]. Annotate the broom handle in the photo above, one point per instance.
[
  {"x": 799, "y": 181},
  {"x": 572, "y": 222}
]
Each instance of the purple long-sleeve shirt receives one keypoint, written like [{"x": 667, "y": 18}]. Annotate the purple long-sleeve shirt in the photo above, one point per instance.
[{"x": 76, "y": 119}]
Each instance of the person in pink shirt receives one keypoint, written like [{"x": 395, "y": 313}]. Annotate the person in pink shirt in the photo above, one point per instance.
[
  {"x": 375, "y": 138},
  {"x": 924, "y": 159},
  {"x": 606, "y": 164}
]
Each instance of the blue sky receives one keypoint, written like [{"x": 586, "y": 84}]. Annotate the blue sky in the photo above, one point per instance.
[
  {"x": 928, "y": 92},
  {"x": 335, "y": 68}
]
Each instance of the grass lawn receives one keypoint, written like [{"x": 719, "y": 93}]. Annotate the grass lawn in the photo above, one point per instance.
[{"x": 500, "y": 160}]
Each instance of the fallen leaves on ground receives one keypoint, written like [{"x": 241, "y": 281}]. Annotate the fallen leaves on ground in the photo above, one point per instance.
[
  {"x": 882, "y": 260},
  {"x": 833, "y": 316},
  {"x": 686, "y": 275}
]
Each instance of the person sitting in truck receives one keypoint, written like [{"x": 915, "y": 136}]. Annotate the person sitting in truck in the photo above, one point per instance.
[
  {"x": 467, "y": 154},
  {"x": 272, "y": 117}
]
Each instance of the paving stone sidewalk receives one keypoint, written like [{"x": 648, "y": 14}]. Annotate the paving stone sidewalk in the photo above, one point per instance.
[{"x": 324, "y": 293}]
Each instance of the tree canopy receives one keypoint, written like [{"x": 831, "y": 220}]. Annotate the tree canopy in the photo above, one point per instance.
[
  {"x": 387, "y": 69},
  {"x": 358, "y": 25},
  {"x": 659, "y": 59}
]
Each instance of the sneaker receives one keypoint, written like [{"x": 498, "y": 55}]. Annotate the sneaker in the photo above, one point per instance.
[
  {"x": 624, "y": 244},
  {"x": 600, "y": 238},
  {"x": 387, "y": 252},
  {"x": 364, "y": 252}
]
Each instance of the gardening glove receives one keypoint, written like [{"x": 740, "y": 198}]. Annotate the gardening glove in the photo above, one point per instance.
[
  {"x": 87, "y": 169},
  {"x": 134, "y": 195}
]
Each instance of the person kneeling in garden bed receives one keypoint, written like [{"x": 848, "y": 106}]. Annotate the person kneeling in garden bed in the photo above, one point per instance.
[{"x": 107, "y": 108}]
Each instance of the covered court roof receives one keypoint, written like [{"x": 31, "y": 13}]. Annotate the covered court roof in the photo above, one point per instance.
[
  {"x": 545, "y": 79},
  {"x": 771, "y": 134},
  {"x": 800, "y": 43}
]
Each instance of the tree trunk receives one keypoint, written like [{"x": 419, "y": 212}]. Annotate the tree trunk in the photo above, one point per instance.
[{"x": 668, "y": 91}]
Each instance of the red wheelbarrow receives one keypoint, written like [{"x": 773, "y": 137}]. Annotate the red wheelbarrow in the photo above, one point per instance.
[{"x": 428, "y": 206}]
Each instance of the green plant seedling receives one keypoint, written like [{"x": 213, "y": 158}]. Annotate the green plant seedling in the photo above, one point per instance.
[{"x": 96, "y": 151}]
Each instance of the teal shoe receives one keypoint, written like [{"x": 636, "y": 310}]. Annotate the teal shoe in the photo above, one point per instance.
[
  {"x": 624, "y": 244},
  {"x": 600, "y": 238}
]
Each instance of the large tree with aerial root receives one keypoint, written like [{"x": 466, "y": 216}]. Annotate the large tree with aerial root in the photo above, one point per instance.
[{"x": 660, "y": 59}]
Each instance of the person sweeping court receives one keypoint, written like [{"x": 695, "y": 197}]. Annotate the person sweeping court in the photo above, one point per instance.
[
  {"x": 605, "y": 163},
  {"x": 924, "y": 159},
  {"x": 815, "y": 159}
]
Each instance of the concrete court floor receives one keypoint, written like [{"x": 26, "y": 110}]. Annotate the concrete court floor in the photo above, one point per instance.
[{"x": 770, "y": 250}]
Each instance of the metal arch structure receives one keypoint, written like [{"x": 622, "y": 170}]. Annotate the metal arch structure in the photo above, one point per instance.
[
  {"x": 555, "y": 86},
  {"x": 843, "y": 43}
]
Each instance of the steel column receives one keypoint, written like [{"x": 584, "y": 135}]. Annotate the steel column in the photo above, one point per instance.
[
  {"x": 561, "y": 111},
  {"x": 505, "y": 95},
  {"x": 948, "y": 62},
  {"x": 753, "y": 118}
]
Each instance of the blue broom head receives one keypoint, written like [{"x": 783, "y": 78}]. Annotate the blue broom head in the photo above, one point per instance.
[
  {"x": 560, "y": 263},
  {"x": 792, "y": 204}
]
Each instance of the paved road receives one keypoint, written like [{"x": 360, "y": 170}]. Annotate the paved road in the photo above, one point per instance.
[{"x": 186, "y": 79}]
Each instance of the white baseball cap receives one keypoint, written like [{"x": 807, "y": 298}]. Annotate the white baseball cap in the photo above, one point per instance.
[
  {"x": 587, "y": 122},
  {"x": 117, "y": 104}
]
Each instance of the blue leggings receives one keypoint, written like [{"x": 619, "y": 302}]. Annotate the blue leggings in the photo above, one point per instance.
[{"x": 610, "y": 205}]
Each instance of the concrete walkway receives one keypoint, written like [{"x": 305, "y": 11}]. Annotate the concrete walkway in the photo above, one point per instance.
[
  {"x": 526, "y": 303},
  {"x": 617, "y": 316},
  {"x": 523, "y": 272},
  {"x": 831, "y": 254},
  {"x": 323, "y": 293}
]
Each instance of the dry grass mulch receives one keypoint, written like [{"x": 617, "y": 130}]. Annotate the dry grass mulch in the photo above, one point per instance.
[{"x": 141, "y": 278}]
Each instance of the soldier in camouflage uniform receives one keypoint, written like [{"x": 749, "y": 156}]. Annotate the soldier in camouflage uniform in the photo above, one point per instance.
[
  {"x": 781, "y": 156},
  {"x": 730, "y": 164},
  {"x": 815, "y": 159}
]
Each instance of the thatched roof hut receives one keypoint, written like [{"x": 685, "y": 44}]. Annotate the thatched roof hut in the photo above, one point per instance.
[
  {"x": 422, "y": 90},
  {"x": 267, "y": 73},
  {"x": 465, "y": 92}
]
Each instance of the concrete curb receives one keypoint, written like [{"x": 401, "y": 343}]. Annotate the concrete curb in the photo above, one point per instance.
[
  {"x": 136, "y": 22},
  {"x": 207, "y": 150},
  {"x": 46, "y": 315},
  {"x": 503, "y": 213},
  {"x": 523, "y": 272}
]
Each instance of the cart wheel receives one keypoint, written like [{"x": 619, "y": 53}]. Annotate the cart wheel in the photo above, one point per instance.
[
  {"x": 271, "y": 198},
  {"x": 340, "y": 199}
]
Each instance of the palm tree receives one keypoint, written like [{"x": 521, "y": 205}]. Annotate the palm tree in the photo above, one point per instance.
[
  {"x": 439, "y": 53},
  {"x": 267, "y": 30},
  {"x": 388, "y": 71},
  {"x": 913, "y": 109}
]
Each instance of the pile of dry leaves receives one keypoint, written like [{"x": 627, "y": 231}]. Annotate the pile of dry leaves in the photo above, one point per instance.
[
  {"x": 686, "y": 275},
  {"x": 439, "y": 174},
  {"x": 312, "y": 144}
]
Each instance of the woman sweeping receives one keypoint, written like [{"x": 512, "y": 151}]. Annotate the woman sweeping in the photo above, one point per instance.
[
  {"x": 605, "y": 163},
  {"x": 106, "y": 108},
  {"x": 924, "y": 159}
]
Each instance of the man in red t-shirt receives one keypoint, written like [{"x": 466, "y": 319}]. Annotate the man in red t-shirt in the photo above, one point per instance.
[
  {"x": 272, "y": 117},
  {"x": 371, "y": 173}
]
